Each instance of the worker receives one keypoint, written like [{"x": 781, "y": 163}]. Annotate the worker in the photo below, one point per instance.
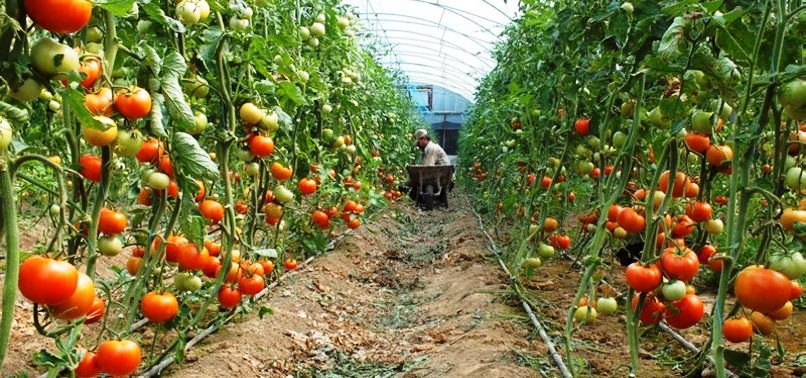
[{"x": 431, "y": 153}]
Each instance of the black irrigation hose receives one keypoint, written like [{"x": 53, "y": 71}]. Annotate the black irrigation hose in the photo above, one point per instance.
[{"x": 558, "y": 360}]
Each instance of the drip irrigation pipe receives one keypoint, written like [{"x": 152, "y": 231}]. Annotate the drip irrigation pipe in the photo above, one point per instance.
[{"x": 558, "y": 360}]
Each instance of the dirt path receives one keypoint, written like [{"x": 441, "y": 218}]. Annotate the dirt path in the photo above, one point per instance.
[{"x": 412, "y": 294}]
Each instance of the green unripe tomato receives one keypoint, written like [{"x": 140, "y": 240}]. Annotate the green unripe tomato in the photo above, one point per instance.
[{"x": 110, "y": 245}]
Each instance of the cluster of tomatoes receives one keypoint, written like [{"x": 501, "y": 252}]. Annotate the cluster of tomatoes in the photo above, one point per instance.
[
  {"x": 68, "y": 294},
  {"x": 477, "y": 173}
]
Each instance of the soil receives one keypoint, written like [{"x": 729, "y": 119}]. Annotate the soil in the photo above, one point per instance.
[
  {"x": 416, "y": 294},
  {"x": 411, "y": 294}
]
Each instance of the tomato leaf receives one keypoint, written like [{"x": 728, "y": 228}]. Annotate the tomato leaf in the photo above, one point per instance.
[
  {"x": 13, "y": 113},
  {"x": 193, "y": 226},
  {"x": 292, "y": 92},
  {"x": 673, "y": 40},
  {"x": 75, "y": 100},
  {"x": 47, "y": 359},
  {"x": 191, "y": 159},
  {"x": 736, "y": 358},
  {"x": 174, "y": 68},
  {"x": 212, "y": 37},
  {"x": 154, "y": 11},
  {"x": 267, "y": 252},
  {"x": 264, "y": 310},
  {"x": 157, "y": 120},
  {"x": 285, "y": 120},
  {"x": 119, "y": 8}
]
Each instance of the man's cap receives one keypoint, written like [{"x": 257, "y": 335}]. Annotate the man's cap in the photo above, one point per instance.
[{"x": 420, "y": 133}]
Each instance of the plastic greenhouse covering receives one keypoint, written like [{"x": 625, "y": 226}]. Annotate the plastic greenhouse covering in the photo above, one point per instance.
[{"x": 440, "y": 42}]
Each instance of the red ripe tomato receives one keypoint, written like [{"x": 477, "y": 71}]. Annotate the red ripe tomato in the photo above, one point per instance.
[
  {"x": 90, "y": 167},
  {"x": 159, "y": 308},
  {"x": 211, "y": 266},
  {"x": 118, "y": 357},
  {"x": 682, "y": 265},
  {"x": 719, "y": 155},
  {"x": 252, "y": 269},
  {"x": 144, "y": 197},
  {"x": 761, "y": 289},
  {"x": 268, "y": 266},
  {"x": 652, "y": 311},
  {"x": 699, "y": 211},
  {"x": 737, "y": 330},
  {"x": 290, "y": 264},
  {"x": 320, "y": 219},
  {"x": 211, "y": 210},
  {"x": 251, "y": 285},
  {"x": 112, "y": 222},
  {"x": 350, "y": 206},
  {"x": 698, "y": 143},
  {"x": 229, "y": 297},
  {"x": 133, "y": 265},
  {"x": 166, "y": 166},
  {"x": 530, "y": 179},
  {"x": 241, "y": 207},
  {"x": 613, "y": 212},
  {"x": 722, "y": 200},
  {"x": 643, "y": 278},
  {"x": 679, "y": 186},
  {"x": 261, "y": 146},
  {"x": 546, "y": 182},
  {"x": 683, "y": 226},
  {"x": 212, "y": 248},
  {"x": 307, "y": 186},
  {"x": 685, "y": 312},
  {"x": 795, "y": 290},
  {"x": 172, "y": 248},
  {"x": 279, "y": 172},
  {"x": 59, "y": 16},
  {"x": 782, "y": 313},
  {"x": 150, "y": 151},
  {"x": 200, "y": 194},
  {"x": 88, "y": 367},
  {"x": 272, "y": 221},
  {"x": 582, "y": 126},
  {"x": 332, "y": 212},
  {"x": 354, "y": 223},
  {"x": 705, "y": 253},
  {"x": 631, "y": 221},
  {"x": 100, "y": 103},
  {"x": 96, "y": 311},
  {"x": 595, "y": 173},
  {"x": 190, "y": 258},
  {"x": 173, "y": 189},
  {"x": 47, "y": 281},
  {"x": 91, "y": 67},
  {"x": 572, "y": 197},
  {"x": 133, "y": 103},
  {"x": 79, "y": 303}
]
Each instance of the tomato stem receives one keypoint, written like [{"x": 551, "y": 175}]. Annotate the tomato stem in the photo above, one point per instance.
[
  {"x": 98, "y": 204},
  {"x": 9, "y": 211}
]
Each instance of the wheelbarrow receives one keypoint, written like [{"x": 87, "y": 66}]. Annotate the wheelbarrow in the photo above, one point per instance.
[{"x": 430, "y": 183}]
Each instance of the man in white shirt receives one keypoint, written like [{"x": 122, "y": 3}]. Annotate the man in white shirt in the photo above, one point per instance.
[{"x": 432, "y": 153}]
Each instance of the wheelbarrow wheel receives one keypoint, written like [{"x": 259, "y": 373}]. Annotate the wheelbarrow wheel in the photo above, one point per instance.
[{"x": 428, "y": 197}]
